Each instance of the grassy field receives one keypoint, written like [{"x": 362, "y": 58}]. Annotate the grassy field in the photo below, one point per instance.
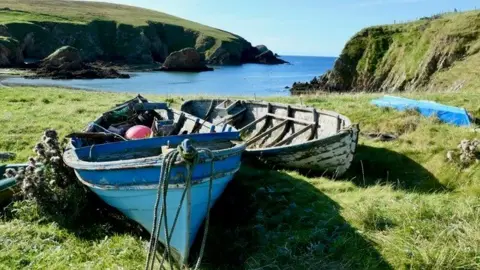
[
  {"x": 400, "y": 206},
  {"x": 83, "y": 12}
]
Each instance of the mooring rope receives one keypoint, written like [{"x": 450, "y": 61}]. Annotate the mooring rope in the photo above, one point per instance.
[{"x": 190, "y": 155}]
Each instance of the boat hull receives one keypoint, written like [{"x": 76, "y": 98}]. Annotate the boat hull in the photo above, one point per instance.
[
  {"x": 126, "y": 175},
  {"x": 137, "y": 203},
  {"x": 332, "y": 155}
]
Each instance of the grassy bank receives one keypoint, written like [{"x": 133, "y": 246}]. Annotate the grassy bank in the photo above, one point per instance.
[
  {"x": 436, "y": 53},
  {"x": 402, "y": 205}
]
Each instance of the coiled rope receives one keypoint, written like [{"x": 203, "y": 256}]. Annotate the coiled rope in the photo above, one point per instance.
[{"x": 190, "y": 156}]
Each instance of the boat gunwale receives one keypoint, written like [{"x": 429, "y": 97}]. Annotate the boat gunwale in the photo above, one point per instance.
[
  {"x": 154, "y": 186},
  {"x": 71, "y": 158}
]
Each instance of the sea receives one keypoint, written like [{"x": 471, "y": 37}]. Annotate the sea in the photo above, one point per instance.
[{"x": 248, "y": 80}]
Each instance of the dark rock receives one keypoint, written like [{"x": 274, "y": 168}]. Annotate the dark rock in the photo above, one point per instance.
[
  {"x": 314, "y": 85},
  {"x": 261, "y": 55},
  {"x": 65, "y": 58},
  {"x": 269, "y": 58},
  {"x": 220, "y": 57},
  {"x": 10, "y": 52},
  {"x": 187, "y": 59},
  {"x": 87, "y": 72},
  {"x": 66, "y": 63},
  {"x": 261, "y": 48}
]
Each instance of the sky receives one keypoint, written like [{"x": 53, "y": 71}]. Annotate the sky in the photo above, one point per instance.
[{"x": 300, "y": 27}]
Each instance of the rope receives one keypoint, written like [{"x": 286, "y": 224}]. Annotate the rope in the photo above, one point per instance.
[{"x": 190, "y": 155}]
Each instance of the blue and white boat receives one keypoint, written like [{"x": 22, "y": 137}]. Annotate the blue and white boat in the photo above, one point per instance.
[{"x": 128, "y": 175}]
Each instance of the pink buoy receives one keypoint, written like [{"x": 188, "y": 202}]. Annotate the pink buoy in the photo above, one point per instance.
[{"x": 138, "y": 132}]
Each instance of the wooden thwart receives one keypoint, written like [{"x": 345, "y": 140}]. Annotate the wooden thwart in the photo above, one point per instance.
[
  {"x": 294, "y": 135},
  {"x": 287, "y": 127},
  {"x": 253, "y": 123},
  {"x": 227, "y": 120},
  {"x": 295, "y": 120},
  {"x": 267, "y": 132}
]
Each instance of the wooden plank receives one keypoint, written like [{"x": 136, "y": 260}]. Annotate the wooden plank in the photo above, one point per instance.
[
  {"x": 298, "y": 121},
  {"x": 178, "y": 125},
  {"x": 293, "y": 136},
  {"x": 232, "y": 105},
  {"x": 288, "y": 126},
  {"x": 196, "y": 127},
  {"x": 210, "y": 110},
  {"x": 267, "y": 132},
  {"x": 267, "y": 121},
  {"x": 314, "y": 133},
  {"x": 229, "y": 118},
  {"x": 219, "y": 105},
  {"x": 253, "y": 123}
]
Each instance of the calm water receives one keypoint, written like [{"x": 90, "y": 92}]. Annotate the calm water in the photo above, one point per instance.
[{"x": 245, "y": 80}]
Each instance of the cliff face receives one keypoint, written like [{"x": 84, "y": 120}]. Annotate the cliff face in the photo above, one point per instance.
[
  {"x": 429, "y": 54},
  {"x": 117, "y": 33}
]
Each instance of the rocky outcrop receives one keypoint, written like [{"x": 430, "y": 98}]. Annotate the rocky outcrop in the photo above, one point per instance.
[
  {"x": 432, "y": 53},
  {"x": 269, "y": 58},
  {"x": 187, "y": 59},
  {"x": 10, "y": 52},
  {"x": 66, "y": 63},
  {"x": 66, "y": 58},
  {"x": 261, "y": 48}
]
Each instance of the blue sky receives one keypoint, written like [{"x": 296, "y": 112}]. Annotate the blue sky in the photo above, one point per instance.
[{"x": 300, "y": 27}]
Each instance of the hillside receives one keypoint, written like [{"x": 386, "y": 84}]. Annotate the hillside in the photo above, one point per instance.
[
  {"x": 109, "y": 32},
  {"x": 435, "y": 53}
]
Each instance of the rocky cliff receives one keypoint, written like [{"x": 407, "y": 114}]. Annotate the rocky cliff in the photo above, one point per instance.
[
  {"x": 109, "y": 32},
  {"x": 435, "y": 53}
]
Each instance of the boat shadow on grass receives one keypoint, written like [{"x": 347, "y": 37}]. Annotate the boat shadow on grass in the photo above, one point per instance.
[
  {"x": 373, "y": 166},
  {"x": 379, "y": 166},
  {"x": 270, "y": 218}
]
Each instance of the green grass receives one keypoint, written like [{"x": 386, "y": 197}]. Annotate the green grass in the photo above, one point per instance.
[
  {"x": 78, "y": 11},
  {"x": 401, "y": 205}
]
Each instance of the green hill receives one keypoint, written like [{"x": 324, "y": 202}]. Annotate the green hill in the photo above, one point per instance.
[
  {"x": 434, "y": 53},
  {"x": 114, "y": 32}
]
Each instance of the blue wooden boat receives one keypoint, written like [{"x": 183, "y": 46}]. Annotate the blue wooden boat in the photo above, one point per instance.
[
  {"x": 127, "y": 174},
  {"x": 282, "y": 135}
]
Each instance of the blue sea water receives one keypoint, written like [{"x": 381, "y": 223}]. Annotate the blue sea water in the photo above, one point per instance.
[{"x": 246, "y": 80}]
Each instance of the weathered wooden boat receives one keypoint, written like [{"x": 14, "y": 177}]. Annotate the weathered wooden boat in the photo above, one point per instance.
[
  {"x": 134, "y": 175},
  {"x": 285, "y": 135}
]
